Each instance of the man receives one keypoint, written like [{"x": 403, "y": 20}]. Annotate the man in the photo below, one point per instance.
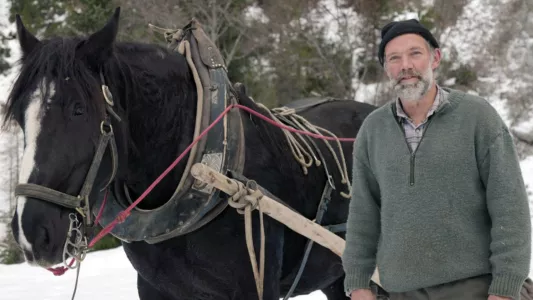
[{"x": 439, "y": 204}]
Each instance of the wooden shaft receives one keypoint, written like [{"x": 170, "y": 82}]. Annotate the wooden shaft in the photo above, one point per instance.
[{"x": 277, "y": 211}]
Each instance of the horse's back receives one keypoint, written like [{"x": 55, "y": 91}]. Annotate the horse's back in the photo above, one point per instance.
[{"x": 343, "y": 118}]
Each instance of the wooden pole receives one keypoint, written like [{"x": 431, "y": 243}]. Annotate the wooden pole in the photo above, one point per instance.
[{"x": 277, "y": 211}]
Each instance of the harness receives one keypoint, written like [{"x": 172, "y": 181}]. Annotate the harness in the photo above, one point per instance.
[{"x": 193, "y": 203}]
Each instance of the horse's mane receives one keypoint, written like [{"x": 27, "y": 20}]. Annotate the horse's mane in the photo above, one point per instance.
[
  {"x": 57, "y": 58},
  {"x": 134, "y": 71},
  {"x": 154, "y": 89},
  {"x": 146, "y": 70}
]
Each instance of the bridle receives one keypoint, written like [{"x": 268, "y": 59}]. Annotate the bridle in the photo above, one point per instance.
[{"x": 79, "y": 230}]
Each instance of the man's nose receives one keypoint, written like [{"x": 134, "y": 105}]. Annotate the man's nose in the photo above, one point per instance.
[{"x": 406, "y": 63}]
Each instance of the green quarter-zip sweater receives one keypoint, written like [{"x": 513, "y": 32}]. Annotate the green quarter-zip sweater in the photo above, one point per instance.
[{"x": 454, "y": 208}]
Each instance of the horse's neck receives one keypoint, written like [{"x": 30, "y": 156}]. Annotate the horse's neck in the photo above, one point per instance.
[
  {"x": 160, "y": 124},
  {"x": 153, "y": 150},
  {"x": 268, "y": 156}
]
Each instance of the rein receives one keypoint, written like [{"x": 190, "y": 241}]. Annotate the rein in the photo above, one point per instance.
[
  {"x": 81, "y": 203},
  {"x": 125, "y": 213},
  {"x": 47, "y": 194},
  {"x": 244, "y": 208}
]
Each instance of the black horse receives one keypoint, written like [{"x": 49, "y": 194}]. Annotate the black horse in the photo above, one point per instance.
[{"x": 58, "y": 102}]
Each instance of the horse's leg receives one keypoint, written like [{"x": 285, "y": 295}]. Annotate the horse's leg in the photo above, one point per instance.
[
  {"x": 273, "y": 261},
  {"x": 148, "y": 292}
]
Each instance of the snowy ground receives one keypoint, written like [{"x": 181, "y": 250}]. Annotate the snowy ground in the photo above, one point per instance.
[
  {"x": 104, "y": 275},
  {"x": 108, "y": 274}
]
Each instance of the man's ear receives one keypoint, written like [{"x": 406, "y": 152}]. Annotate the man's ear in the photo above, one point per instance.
[
  {"x": 98, "y": 47},
  {"x": 27, "y": 41},
  {"x": 437, "y": 56}
]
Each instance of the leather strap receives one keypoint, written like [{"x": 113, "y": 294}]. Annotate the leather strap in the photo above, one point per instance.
[{"x": 50, "y": 195}]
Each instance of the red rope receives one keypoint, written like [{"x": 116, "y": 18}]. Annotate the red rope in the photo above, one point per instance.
[
  {"x": 121, "y": 217},
  {"x": 60, "y": 270},
  {"x": 101, "y": 210}
]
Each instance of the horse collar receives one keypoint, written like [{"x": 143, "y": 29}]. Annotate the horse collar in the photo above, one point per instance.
[{"x": 193, "y": 204}]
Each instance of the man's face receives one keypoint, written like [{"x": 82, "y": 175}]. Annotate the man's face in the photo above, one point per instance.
[{"x": 409, "y": 64}]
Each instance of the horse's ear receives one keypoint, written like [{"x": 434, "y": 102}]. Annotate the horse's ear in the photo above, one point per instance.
[
  {"x": 99, "y": 46},
  {"x": 27, "y": 41}
]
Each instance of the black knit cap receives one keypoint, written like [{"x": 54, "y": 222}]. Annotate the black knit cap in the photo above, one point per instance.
[{"x": 397, "y": 28}]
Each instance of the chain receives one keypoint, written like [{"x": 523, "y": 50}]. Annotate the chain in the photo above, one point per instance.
[{"x": 76, "y": 243}]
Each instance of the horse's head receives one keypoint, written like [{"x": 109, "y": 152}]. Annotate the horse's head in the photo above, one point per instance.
[{"x": 58, "y": 102}]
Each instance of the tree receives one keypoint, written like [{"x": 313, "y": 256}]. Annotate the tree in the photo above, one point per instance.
[{"x": 10, "y": 156}]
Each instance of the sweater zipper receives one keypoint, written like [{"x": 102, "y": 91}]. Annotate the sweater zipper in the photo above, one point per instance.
[
  {"x": 412, "y": 173},
  {"x": 413, "y": 154}
]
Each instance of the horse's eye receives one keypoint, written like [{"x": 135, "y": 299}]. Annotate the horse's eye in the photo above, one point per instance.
[{"x": 78, "y": 109}]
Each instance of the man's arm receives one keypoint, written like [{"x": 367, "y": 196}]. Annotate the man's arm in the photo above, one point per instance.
[
  {"x": 363, "y": 224},
  {"x": 507, "y": 204}
]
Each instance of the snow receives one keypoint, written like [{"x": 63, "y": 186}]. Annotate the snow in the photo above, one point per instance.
[
  {"x": 3, "y": 227},
  {"x": 255, "y": 13},
  {"x": 6, "y": 81},
  {"x": 109, "y": 275},
  {"x": 525, "y": 127},
  {"x": 368, "y": 92},
  {"x": 104, "y": 275},
  {"x": 405, "y": 15},
  {"x": 474, "y": 29},
  {"x": 328, "y": 15}
]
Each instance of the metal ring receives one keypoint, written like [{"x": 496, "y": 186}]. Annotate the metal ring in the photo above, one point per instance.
[
  {"x": 104, "y": 123},
  {"x": 107, "y": 95},
  {"x": 73, "y": 217}
]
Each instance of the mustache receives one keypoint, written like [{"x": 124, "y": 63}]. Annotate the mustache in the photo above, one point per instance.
[{"x": 406, "y": 74}]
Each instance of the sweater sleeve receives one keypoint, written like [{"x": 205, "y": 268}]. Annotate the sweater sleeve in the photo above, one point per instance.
[
  {"x": 508, "y": 207},
  {"x": 363, "y": 226}
]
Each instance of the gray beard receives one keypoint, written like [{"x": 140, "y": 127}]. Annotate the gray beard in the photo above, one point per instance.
[{"x": 412, "y": 92}]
